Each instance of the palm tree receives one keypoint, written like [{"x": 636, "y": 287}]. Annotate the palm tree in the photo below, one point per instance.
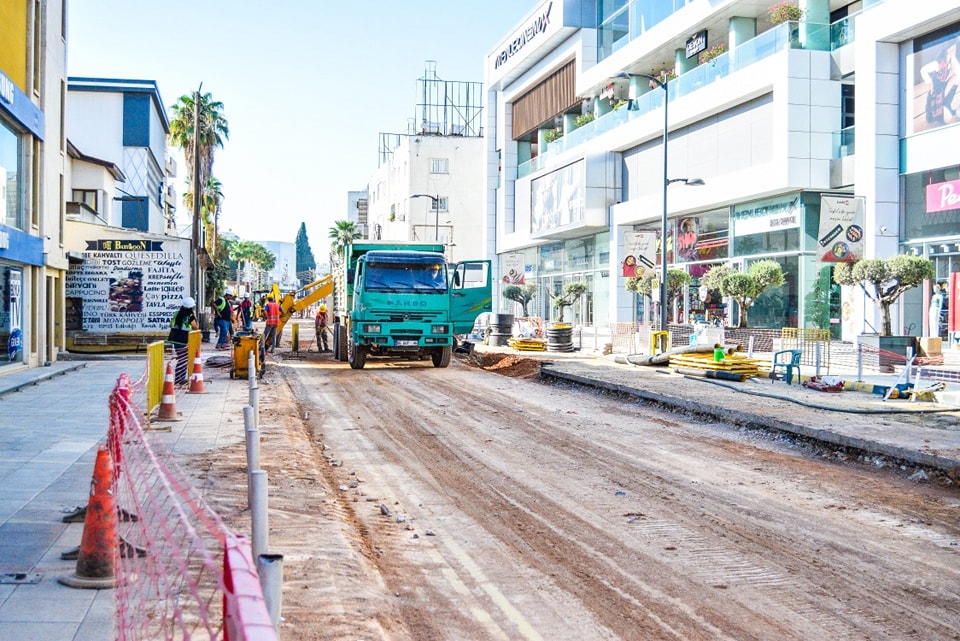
[
  {"x": 342, "y": 234},
  {"x": 212, "y": 130},
  {"x": 210, "y": 203}
]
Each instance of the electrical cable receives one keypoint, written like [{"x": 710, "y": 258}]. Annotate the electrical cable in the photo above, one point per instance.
[{"x": 819, "y": 407}]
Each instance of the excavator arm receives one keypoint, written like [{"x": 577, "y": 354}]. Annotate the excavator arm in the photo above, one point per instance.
[{"x": 290, "y": 304}]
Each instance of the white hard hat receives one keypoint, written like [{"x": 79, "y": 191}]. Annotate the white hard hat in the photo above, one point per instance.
[
  {"x": 228, "y": 292},
  {"x": 188, "y": 302},
  {"x": 246, "y": 294}
]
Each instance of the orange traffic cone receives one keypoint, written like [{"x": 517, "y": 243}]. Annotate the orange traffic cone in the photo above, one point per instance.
[
  {"x": 196, "y": 380},
  {"x": 96, "y": 563},
  {"x": 168, "y": 402}
]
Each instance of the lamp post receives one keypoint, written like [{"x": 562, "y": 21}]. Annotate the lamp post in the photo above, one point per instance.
[
  {"x": 662, "y": 84},
  {"x": 436, "y": 211}
]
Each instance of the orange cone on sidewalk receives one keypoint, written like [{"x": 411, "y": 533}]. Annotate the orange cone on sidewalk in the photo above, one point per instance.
[
  {"x": 196, "y": 380},
  {"x": 96, "y": 564},
  {"x": 168, "y": 402}
]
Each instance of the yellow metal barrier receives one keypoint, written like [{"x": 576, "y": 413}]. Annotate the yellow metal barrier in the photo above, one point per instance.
[
  {"x": 806, "y": 340},
  {"x": 659, "y": 342},
  {"x": 154, "y": 375},
  {"x": 193, "y": 348},
  {"x": 295, "y": 338}
]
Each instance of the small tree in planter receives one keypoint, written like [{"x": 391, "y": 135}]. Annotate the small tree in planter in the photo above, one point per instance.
[
  {"x": 571, "y": 293},
  {"x": 649, "y": 281},
  {"x": 713, "y": 52},
  {"x": 551, "y": 135},
  {"x": 522, "y": 295},
  {"x": 884, "y": 280},
  {"x": 744, "y": 287}
]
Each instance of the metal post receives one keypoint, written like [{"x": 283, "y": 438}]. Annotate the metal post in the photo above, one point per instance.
[
  {"x": 254, "y": 388},
  {"x": 270, "y": 571},
  {"x": 195, "y": 267},
  {"x": 663, "y": 219},
  {"x": 817, "y": 361},
  {"x": 859, "y": 362},
  {"x": 260, "y": 535},
  {"x": 436, "y": 220}
]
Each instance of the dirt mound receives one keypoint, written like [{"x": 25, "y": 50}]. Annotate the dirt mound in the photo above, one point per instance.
[{"x": 508, "y": 365}]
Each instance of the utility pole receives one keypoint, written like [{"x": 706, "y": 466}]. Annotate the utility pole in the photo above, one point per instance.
[{"x": 195, "y": 268}]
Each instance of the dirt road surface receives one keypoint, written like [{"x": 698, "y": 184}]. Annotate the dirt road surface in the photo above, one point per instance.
[{"x": 415, "y": 503}]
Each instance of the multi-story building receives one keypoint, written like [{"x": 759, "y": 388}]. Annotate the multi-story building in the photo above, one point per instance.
[
  {"x": 33, "y": 153},
  {"x": 125, "y": 122},
  {"x": 425, "y": 188},
  {"x": 846, "y": 111}
]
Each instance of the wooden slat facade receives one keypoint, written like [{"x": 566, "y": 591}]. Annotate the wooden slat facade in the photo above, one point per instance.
[{"x": 556, "y": 94}]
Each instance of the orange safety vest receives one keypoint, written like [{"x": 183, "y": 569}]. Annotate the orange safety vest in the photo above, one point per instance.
[{"x": 273, "y": 313}]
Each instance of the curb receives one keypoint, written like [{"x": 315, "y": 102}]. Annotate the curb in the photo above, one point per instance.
[
  {"x": 948, "y": 466},
  {"x": 17, "y": 381}
]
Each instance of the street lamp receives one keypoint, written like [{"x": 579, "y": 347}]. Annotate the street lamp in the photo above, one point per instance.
[
  {"x": 662, "y": 84},
  {"x": 436, "y": 210}
]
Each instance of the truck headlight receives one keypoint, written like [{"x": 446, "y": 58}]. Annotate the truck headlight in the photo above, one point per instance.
[
  {"x": 438, "y": 329},
  {"x": 371, "y": 329}
]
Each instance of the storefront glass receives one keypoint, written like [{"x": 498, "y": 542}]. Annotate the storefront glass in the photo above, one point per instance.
[
  {"x": 10, "y": 170},
  {"x": 11, "y": 315},
  {"x": 931, "y": 204}
]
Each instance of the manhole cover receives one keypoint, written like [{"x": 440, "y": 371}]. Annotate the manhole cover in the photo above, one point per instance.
[{"x": 20, "y": 577}]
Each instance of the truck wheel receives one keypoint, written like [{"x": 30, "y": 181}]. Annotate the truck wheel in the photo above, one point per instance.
[
  {"x": 441, "y": 358},
  {"x": 342, "y": 341},
  {"x": 356, "y": 354}
]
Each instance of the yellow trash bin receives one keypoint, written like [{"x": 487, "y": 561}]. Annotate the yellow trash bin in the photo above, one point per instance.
[{"x": 245, "y": 343}]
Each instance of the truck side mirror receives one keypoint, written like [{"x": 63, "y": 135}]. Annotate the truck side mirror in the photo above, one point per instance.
[{"x": 456, "y": 278}]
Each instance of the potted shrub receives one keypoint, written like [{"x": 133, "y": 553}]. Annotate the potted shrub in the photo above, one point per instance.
[
  {"x": 551, "y": 135},
  {"x": 785, "y": 11},
  {"x": 520, "y": 294},
  {"x": 885, "y": 280},
  {"x": 584, "y": 119},
  {"x": 664, "y": 76},
  {"x": 715, "y": 51},
  {"x": 744, "y": 287}
]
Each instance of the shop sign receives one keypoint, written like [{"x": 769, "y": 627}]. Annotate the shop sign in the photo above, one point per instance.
[
  {"x": 640, "y": 250},
  {"x": 943, "y": 196},
  {"x": 513, "y": 269},
  {"x": 760, "y": 218},
  {"x": 696, "y": 43},
  {"x": 840, "y": 238},
  {"x": 535, "y": 27}
]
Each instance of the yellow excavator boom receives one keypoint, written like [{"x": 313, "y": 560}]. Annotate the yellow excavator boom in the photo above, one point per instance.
[{"x": 290, "y": 304}]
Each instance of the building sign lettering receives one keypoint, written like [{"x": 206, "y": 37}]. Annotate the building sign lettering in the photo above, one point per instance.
[
  {"x": 537, "y": 26},
  {"x": 943, "y": 196}
]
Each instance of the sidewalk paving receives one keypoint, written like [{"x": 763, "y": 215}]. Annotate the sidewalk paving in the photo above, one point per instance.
[{"x": 54, "y": 417}]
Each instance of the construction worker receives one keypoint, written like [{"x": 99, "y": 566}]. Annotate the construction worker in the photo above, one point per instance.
[
  {"x": 246, "y": 312},
  {"x": 272, "y": 312},
  {"x": 223, "y": 315},
  {"x": 320, "y": 324},
  {"x": 180, "y": 325}
]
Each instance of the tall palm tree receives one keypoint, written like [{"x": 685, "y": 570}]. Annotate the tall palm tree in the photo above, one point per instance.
[
  {"x": 211, "y": 200},
  {"x": 211, "y": 130},
  {"x": 342, "y": 234}
]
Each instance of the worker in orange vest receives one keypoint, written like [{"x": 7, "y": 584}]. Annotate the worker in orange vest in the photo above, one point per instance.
[{"x": 272, "y": 313}]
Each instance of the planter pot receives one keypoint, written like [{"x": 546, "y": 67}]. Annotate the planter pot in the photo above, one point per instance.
[{"x": 885, "y": 352}]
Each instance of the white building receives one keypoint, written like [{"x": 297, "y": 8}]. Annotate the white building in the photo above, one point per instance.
[
  {"x": 767, "y": 124},
  {"x": 427, "y": 187},
  {"x": 124, "y": 122},
  {"x": 284, "y": 271}
]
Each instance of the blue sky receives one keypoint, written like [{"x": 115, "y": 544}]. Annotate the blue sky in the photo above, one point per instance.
[{"x": 307, "y": 86}]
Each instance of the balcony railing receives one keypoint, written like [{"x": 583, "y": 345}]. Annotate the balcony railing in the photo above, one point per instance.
[
  {"x": 844, "y": 142},
  {"x": 768, "y": 43}
]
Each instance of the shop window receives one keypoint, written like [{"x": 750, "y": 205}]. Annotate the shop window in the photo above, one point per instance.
[
  {"x": 11, "y": 188},
  {"x": 88, "y": 197}
]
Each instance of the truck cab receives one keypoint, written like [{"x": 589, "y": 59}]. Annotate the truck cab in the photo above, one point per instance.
[{"x": 410, "y": 304}]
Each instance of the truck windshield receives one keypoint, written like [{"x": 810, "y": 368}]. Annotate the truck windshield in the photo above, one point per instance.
[{"x": 403, "y": 277}]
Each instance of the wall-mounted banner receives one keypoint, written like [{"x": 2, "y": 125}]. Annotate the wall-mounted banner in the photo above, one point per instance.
[
  {"x": 513, "y": 269},
  {"x": 934, "y": 100},
  {"x": 13, "y": 304},
  {"x": 136, "y": 286},
  {"x": 557, "y": 199},
  {"x": 639, "y": 252},
  {"x": 841, "y": 229},
  {"x": 688, "y": 234}
]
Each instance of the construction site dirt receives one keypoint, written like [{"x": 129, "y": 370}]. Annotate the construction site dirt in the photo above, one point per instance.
[{"x": 474, "y": 502}]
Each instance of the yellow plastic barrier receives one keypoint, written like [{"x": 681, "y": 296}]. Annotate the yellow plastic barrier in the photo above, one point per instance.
[{"x": 659, "y": 342}]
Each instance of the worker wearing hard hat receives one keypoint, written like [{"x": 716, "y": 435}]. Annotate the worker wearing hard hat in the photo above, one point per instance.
[
  {"x": 223, "y": 315},
  {"x": 320, "y": 324},
  {"x": 272, "y": 313}
]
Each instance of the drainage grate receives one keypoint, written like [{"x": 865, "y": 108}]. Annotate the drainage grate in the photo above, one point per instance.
[{"x": 20, "y": 578}]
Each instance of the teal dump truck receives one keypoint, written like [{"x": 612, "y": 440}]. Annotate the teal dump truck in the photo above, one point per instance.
[{"x": 405, "y": 301}]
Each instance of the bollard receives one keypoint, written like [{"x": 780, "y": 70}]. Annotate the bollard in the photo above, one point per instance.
[
  {"x": 260, "y": 539},
  {"x": 859, "y": 362},
  {"x": 252, "y": 435},
  {"x": 817, "y": 360},
  {"x": 750, "y": 347},
  {"x": 270, "y": 571},
  {"x": 295, "y": 338},
  {"x": 254, "y": 389}
]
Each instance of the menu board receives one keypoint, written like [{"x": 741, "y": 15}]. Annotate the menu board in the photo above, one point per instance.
[{"x": 130, "y": 285}]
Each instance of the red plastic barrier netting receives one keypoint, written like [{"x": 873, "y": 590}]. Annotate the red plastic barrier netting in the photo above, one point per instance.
[{"x": 170, "y": 565}]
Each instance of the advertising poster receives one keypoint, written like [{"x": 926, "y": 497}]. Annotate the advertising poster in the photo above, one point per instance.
[
  {"x": 130, "y": 285},
  {"x": 14, "y": 304},
  {"x": 557, "y": 199},
  {"x": 688, "y": 234},
  {"x": 513, "y": 269},
  {"x": 936, "y": 81},
  {"x": 840, "y": 239},
  {"x": 639, "y": 252}
]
